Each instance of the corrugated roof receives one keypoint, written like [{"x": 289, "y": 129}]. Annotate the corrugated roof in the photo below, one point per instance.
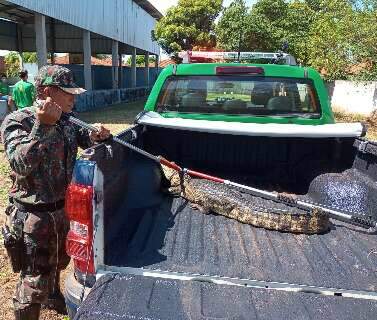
[
  {"x": 150, "y": 8},
  {"x": 128, "y": 21},
  {"x": 21, "y": 13},
  {"x": 14, "y": 12}
]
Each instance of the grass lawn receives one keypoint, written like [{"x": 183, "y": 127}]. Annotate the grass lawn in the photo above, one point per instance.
[
  {"x": 4, "y": 178},
  {"x": 349, "y": 117},
  {"x": 116, "y": 118}
]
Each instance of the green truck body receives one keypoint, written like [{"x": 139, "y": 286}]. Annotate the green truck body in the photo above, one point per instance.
[{"x": 157, "y": 257}]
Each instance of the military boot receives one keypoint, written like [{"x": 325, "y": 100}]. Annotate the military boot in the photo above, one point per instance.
[
  {"x": 30, "y": 312},
  {"x": 56, "y": 302},
  {"x": 55, "y": 299}
]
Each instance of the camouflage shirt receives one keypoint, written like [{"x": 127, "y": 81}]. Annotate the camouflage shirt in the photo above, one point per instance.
[{"x": 41, "y": 157}]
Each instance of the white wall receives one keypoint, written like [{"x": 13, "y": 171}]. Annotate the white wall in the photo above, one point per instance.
[
  {"x": 354, "y": 97},
  {"x": 32, "y": 69}
]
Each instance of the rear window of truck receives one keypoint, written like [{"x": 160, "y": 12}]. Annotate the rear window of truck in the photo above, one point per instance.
[{"x": 240, "y": 95}]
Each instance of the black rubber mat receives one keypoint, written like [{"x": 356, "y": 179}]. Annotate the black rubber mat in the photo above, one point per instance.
[
  {"x": 174, "y": 237},
  {"x": 135, "y": 297}
]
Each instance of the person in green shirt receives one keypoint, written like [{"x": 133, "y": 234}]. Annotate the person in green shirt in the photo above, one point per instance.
[
  {"x": 23, "y": 92},
  {"x": 4, "y": 96},
  {"x": 4, "y": 88}
]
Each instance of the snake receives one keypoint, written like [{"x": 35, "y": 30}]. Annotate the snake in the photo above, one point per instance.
[{"x": 214, "y": 197}]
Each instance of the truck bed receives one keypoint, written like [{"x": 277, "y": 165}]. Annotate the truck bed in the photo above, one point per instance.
[
  {"x": 136, "y": 297},
  {"x": 174, "y": 237}
]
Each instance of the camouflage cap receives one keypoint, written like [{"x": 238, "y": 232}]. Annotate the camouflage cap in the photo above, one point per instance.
[{"x": 53, "y": 75}]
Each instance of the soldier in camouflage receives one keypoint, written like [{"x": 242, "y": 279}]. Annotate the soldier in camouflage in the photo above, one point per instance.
[{"x": 41, "y": 150}]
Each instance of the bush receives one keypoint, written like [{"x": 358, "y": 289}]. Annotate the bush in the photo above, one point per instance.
[{"x": 12, "y": 64}]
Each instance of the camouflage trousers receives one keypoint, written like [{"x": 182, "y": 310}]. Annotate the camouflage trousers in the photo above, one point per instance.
[{"x": 44, "y": 255}]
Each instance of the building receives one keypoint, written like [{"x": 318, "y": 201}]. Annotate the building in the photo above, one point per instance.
[{"x": 86, "y": 28}]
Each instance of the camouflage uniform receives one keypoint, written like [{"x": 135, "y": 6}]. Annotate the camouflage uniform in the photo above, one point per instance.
[{"x": 42, "y": 158}]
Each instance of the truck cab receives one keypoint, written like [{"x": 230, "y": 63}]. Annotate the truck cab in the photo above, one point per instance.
[{"x": 242, "y": 93}]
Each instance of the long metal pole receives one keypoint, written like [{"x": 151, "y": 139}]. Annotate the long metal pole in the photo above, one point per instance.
[
  {"x": 358, "y": 220},
  {"x": 116, "y": 139},
  {"x": 346, "y": 217}
]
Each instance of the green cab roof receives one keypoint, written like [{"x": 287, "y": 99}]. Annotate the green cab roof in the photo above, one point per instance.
[{"x": 271, "y": 70}]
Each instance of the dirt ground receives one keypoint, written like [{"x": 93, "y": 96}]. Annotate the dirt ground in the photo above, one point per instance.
[
  {"x": 371, "y": 122},
  {"x": 8, "y": 282},
  {"x": 116, "y": 118}
]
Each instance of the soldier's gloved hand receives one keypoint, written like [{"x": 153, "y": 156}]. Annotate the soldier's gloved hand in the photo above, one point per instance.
[
  {"x": 49, "y": 113},
  {"x": 100, "y": 135}
]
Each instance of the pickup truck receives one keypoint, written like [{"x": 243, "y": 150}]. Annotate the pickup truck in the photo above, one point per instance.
[{"x": 140, "y": 253}]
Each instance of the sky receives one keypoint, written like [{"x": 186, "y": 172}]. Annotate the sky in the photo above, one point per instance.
[{"x": 163, "y": 5}]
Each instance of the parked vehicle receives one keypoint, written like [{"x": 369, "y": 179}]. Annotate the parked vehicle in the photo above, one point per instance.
[{"x": 143, "y": 254}]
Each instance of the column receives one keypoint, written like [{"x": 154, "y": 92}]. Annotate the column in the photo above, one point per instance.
[
  {"x": 147, "y": 70},
  {"x": 40, "y": 39},
  {"x": 157, "y": 61},
  {"x": 156, "y": 72},
  {"x": 120, "y": 71},
  {"x": 19, "y": 45},
  {"x": 52, "y": 41},
  {"x": 115, "y": 63},
  {"x": 86, "y": 45},
  {"x": 133, "y": 68}
]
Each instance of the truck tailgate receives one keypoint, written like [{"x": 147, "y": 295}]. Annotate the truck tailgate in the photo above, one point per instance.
[
  {"x": 173, "y": 237},
  {"x": 136, "y": 297}
]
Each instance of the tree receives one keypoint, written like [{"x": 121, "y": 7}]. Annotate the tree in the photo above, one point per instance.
[
  {"x": 337, "y": 37},
  {"x": 12, "y": 64},
  {"x": 297, "y": 25},
  {"x": 101, "y": 56},
  {"x": 190, "y": 23},
  {"x": 29, "y": 57},
  {"x": 140, "y": 60},
  {"x": 313, "y": 4},
  {"x": 231, "y": 29},
  {"x": 269, "y": 24},
  {"x": 265, "y": 25},
  {"x": 364, "y": 42},
  {"x": 333, "y": 44}
]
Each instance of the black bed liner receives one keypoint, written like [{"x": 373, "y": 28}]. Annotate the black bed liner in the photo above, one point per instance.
[
  {"x": 176, "y": 238},
  {"x": 137, "y": 297}
]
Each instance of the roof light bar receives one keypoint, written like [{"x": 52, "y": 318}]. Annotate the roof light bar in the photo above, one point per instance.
[{"x": 216, "y": 56}]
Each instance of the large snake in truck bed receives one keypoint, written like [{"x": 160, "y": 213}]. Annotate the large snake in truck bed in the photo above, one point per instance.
[{"x": 209, "y": 196}]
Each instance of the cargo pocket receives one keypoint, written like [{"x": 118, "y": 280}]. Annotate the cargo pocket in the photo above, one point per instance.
[
  {"x": 36, "y": 260},
  {"x": 12, "y": 233},
  {"x": 36, "y": 241}
]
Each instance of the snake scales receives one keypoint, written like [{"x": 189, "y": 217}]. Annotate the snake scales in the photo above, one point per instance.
[{"x": 209, "y": 196}]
